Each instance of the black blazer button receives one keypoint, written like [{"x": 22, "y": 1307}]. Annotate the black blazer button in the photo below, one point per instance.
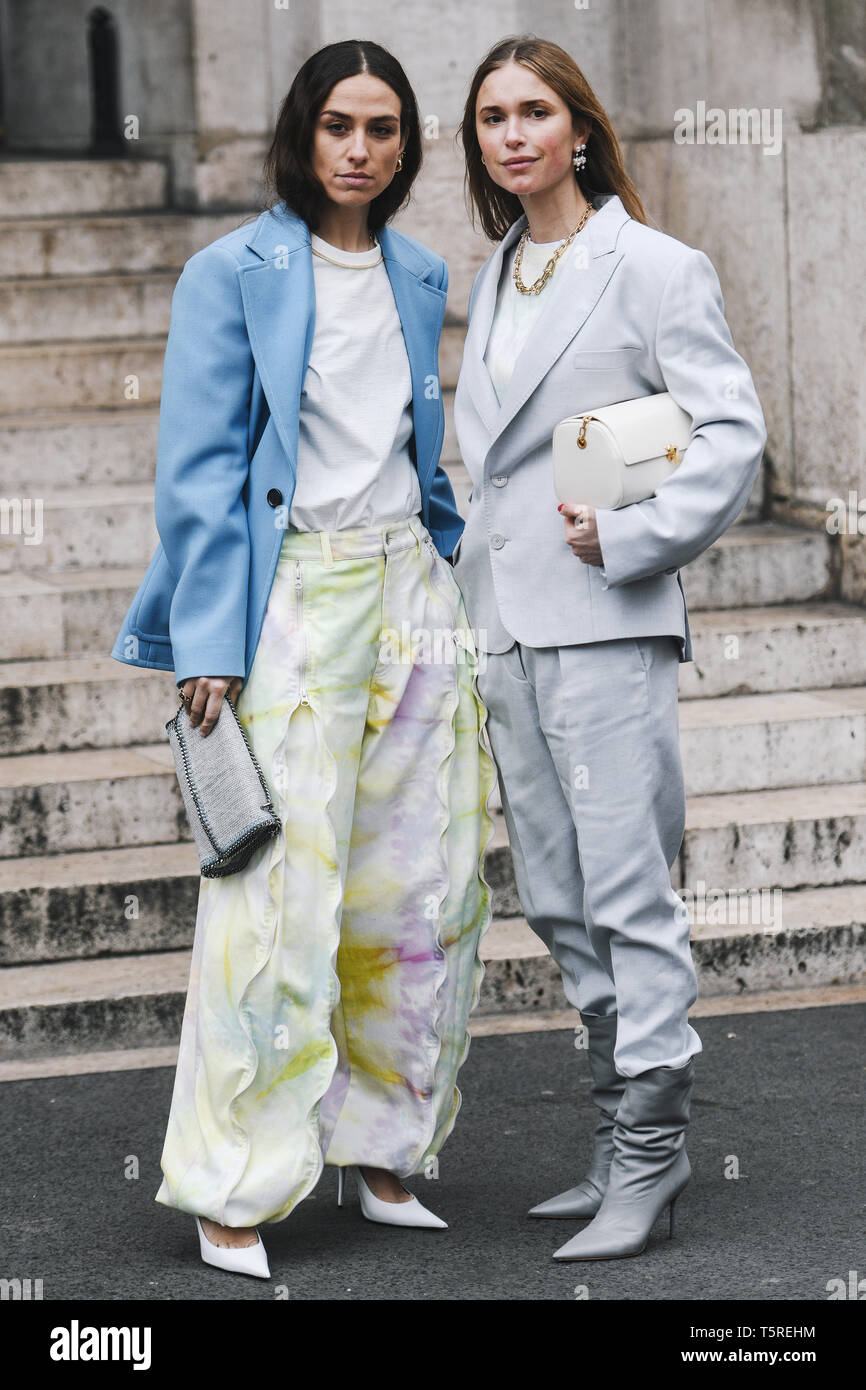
[{"x": 275, "y": 497}]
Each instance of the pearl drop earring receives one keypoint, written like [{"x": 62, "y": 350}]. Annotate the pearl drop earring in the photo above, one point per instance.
[{"x": 579, "y": 159}]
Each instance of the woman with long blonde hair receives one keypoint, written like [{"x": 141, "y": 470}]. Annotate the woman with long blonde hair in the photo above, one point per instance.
[{"x": 580, "y": 610}]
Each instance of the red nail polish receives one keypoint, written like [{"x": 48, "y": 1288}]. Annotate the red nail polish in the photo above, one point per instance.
[{"x": 559, "y": 508}]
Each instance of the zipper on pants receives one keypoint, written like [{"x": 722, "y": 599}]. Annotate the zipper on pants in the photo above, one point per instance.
[{"x": 299, "y": 611}]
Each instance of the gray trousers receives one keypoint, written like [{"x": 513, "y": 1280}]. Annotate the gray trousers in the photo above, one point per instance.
[{"x": 586, "y": 741}]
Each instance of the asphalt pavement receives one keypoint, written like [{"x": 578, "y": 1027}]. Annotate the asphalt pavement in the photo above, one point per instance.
[{"x": 774, "y": 1211}]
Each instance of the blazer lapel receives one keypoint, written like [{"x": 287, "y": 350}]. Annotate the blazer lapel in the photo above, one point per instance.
[
  {"x": 279, "y": 294},
  {"x": 420, "y": 306},
  {"x": 478, "y": 381},
  {"x": 574, "y": 292}
]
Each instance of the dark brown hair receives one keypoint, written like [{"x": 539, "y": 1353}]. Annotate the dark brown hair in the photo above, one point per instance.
[
  {"x": 603, "y": 172},
  {"x": 288, "y": 171}
]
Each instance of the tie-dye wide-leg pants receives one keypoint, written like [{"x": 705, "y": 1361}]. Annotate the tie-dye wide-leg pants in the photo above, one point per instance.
[{"x": 332, "y": 977}]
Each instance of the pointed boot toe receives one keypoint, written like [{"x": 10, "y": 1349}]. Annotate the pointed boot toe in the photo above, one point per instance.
[
  {"x": 619, "y": 1237},
  {"x": 577, "y": 1204}
]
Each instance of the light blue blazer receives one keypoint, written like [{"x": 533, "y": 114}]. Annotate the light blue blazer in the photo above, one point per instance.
[{"x": 242, "y": 318}]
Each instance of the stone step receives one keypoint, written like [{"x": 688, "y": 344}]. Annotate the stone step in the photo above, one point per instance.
[
  {"x": 134, "y": 1000},
  {"x": 761, "y": 742},
  {"x": 68, "y": 187},
  {"x": 100, "y": 245},
  {"x": 760, "y": 563},
  {"x": 86, "y": 375},
  {"x": 73, "y": 448},
  {"x": 793, "y": 646},
  {"x": 81, "y": 308},
  {"x": 98, "y": 902},
  {"x": 70, "y": 528},
  {"x": 790, "y": 838},
  {"x": 78, "y": 1006},
  {"x": 61, "y": 704},
  {"x": 48, "y": 615},
  {"x": 99, "y": 798}
]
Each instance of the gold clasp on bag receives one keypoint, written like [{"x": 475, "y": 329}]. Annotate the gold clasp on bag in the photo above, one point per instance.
[
  {"x": 672, "y": 453},
  {"x": 581, "y": 438}
]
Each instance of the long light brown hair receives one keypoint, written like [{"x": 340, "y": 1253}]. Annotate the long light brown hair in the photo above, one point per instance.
[{"x": 604, "y": 170}]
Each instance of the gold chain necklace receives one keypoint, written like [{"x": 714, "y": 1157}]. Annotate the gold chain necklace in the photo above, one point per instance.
[
  {"x": 538, "y": 285},
  {"x": 344, "y": 264}
]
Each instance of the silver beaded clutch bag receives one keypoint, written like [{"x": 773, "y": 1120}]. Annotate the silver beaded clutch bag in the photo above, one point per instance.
[{"x": 227, "y": 800}]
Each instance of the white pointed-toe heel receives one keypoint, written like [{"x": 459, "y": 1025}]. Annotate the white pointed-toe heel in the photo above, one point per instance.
[
  {"x": 389, "y": 1213},
  {"x": 239, "y": 1259}
]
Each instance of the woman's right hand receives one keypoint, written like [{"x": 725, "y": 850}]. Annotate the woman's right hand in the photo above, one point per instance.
[{"x": 207, "y": 696}]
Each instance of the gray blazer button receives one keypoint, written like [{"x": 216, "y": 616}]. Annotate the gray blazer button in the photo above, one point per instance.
[
  {"x": 500, "y": 480},
  {"x": 497, "y": 541}
]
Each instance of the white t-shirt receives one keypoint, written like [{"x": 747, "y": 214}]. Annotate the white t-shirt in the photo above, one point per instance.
[
  {"x": 515, "y": 314},
  {"x": 354, "y": 464}
]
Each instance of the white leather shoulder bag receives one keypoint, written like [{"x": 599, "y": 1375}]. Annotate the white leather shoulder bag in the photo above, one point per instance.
[{"x": 619, "y": 454}]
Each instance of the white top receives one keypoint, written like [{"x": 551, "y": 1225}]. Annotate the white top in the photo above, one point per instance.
[
  {"x": 515, "y": 314},
  {"x": 354, "y": 465}
]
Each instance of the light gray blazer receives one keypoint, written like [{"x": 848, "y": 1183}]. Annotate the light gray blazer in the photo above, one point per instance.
[{"x": 631, "y": 311}]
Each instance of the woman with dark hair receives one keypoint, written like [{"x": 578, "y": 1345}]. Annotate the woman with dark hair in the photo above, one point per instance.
[
  {"x": 581, "y": 611},
  {"x": 304, "y": 521}
]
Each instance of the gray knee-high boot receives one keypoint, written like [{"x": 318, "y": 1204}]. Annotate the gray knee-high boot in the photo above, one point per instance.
[
  {"x": 650, "y": 1166},
  {"x": 607, "y": 1088}
]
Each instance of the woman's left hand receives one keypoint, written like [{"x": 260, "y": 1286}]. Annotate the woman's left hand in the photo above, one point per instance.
[{"x": 581, "y": 531}]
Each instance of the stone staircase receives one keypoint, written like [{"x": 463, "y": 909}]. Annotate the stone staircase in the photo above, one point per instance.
[{"x": 98, "y": 873}]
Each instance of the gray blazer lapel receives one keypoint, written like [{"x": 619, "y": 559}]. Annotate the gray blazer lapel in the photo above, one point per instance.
[
  {"x": 478, "y": 381},
  {"x": 574, "y": 292}
]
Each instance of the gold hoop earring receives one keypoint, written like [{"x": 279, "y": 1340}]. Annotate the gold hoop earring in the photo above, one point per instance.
[
  {"x": 482, "y": 161},
  {"x": 399, "y": 161}
]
